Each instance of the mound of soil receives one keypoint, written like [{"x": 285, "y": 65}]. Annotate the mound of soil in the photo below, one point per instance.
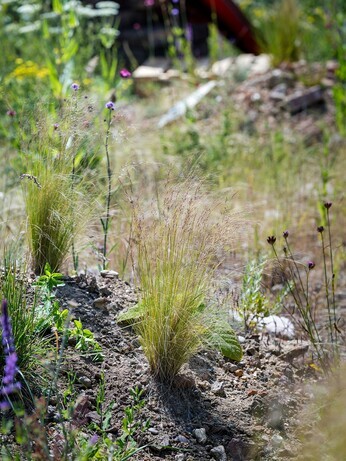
[{"x": 216, "y": 409}]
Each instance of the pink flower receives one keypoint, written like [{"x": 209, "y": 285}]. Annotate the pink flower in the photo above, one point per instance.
[
  {"x": 124, "y": 73},
  {"x": 11, "y": 113},
  {"x": 149, "y": 3}
]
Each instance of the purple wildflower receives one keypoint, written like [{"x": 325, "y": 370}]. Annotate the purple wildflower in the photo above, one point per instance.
[
  {"x": 124, "y": 73},
  {"x": 320, "y": 229},
  {"x": 327, "y": 205},
  {"x": 149, "y": 3},
  {"x": 56, "y": 126},
  {"x": 11, "y": 113},
  {"x": 75, "y": 86},
  {"x": 110, "y": 105},
  {"x": 175, "y": 12},
  {"x": 9, "y": 385},
  {"x": 285, "y": 234},
  {"x": 93, "y": 440},
  {"x": 311, "y": 265},
  {"x": 7, "y": 337}
]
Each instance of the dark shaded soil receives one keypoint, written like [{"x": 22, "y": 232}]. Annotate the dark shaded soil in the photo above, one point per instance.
[{"x": 249, "y": 408}]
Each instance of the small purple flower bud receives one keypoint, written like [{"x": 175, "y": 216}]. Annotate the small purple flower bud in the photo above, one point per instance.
[
  {"x": 175, "y": 12},
  {"x": 110, "y": 105},
  {"x": 11, "y": 113},
  {"x": 285, "y": 234},
  {"x": 320, "y": 229},
  {"x": 75, "y": 86},
  {"x": 4, "y": 406},
  {"x": 124, "y": 73},
  {"x": 56, "y": 126},
  {"x": 93, "y": 440},
  {"x": 311, "y": 265},
  {"x": 271, "y": 240},
  {"x": 327, "y": 205}
]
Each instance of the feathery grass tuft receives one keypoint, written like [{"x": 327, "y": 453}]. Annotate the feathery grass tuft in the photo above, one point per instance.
[
  {"x": 179, "y": 241},
  {"x": 55, "y": 187}
]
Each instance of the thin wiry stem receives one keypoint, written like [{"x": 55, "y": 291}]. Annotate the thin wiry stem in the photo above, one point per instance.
[
  {"x": 332, "y": 270},
  {"x": 105, "y": 222},
  {"x": 327, "y": 288},
  {"x": 308, "y": 323}
]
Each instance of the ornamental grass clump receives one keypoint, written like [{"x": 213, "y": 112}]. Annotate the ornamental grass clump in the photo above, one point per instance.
[
  {"x": 57, "y": 188},
  {"x": 179, "y": 241}
]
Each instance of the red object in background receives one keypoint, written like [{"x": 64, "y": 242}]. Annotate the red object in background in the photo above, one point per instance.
[{"x": 230, "y": 20}]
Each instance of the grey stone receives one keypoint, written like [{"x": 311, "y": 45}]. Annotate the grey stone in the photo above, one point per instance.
[
  {"x": 201, "y": 435},
  {"x": 218, "y": 388},
  {"x": 231, "y": 367},
  {"x": 276, "y": 440},
  {"x": 100, "y": 302},
  {"x": 108, "y": 274},
  {"x": 181, "y": 439},
  {"x": 94, "y": 417},
  {"x": 153, "y": 431},
  {"x": 85, "y": 382},
  {"x": 219, "y": 453},
  {"x": 180, "y": 457}
]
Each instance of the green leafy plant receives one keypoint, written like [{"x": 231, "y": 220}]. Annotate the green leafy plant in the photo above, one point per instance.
[
  {"x": 49, "y": 308},
  {"x": 254, "y": 304},
  {"x": 177, "y": 245},
  {"x": 85, "y": 341}
]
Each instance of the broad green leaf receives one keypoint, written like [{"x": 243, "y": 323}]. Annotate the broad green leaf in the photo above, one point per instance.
[
  {"x": 223, "y": 338},
  {"x": 131, "y": 315}
]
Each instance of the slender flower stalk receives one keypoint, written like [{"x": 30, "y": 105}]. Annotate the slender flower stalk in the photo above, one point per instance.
[
  {"x": 320, "y": 230},
  {"x": 308, "y": 323},
  {"x": 327, "y": 206},
  {"x": 105, "y": 222}
]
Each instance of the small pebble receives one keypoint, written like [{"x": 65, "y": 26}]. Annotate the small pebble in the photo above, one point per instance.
[
  {"x": 108, "y": 274},
  {"x": 219, "y": 453},
  {"x": 100, "y": 302},
  {"x": 201, "y": 435},
  {"x": 153, "y": 431},
  {"x": 218, "y": 388}
]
